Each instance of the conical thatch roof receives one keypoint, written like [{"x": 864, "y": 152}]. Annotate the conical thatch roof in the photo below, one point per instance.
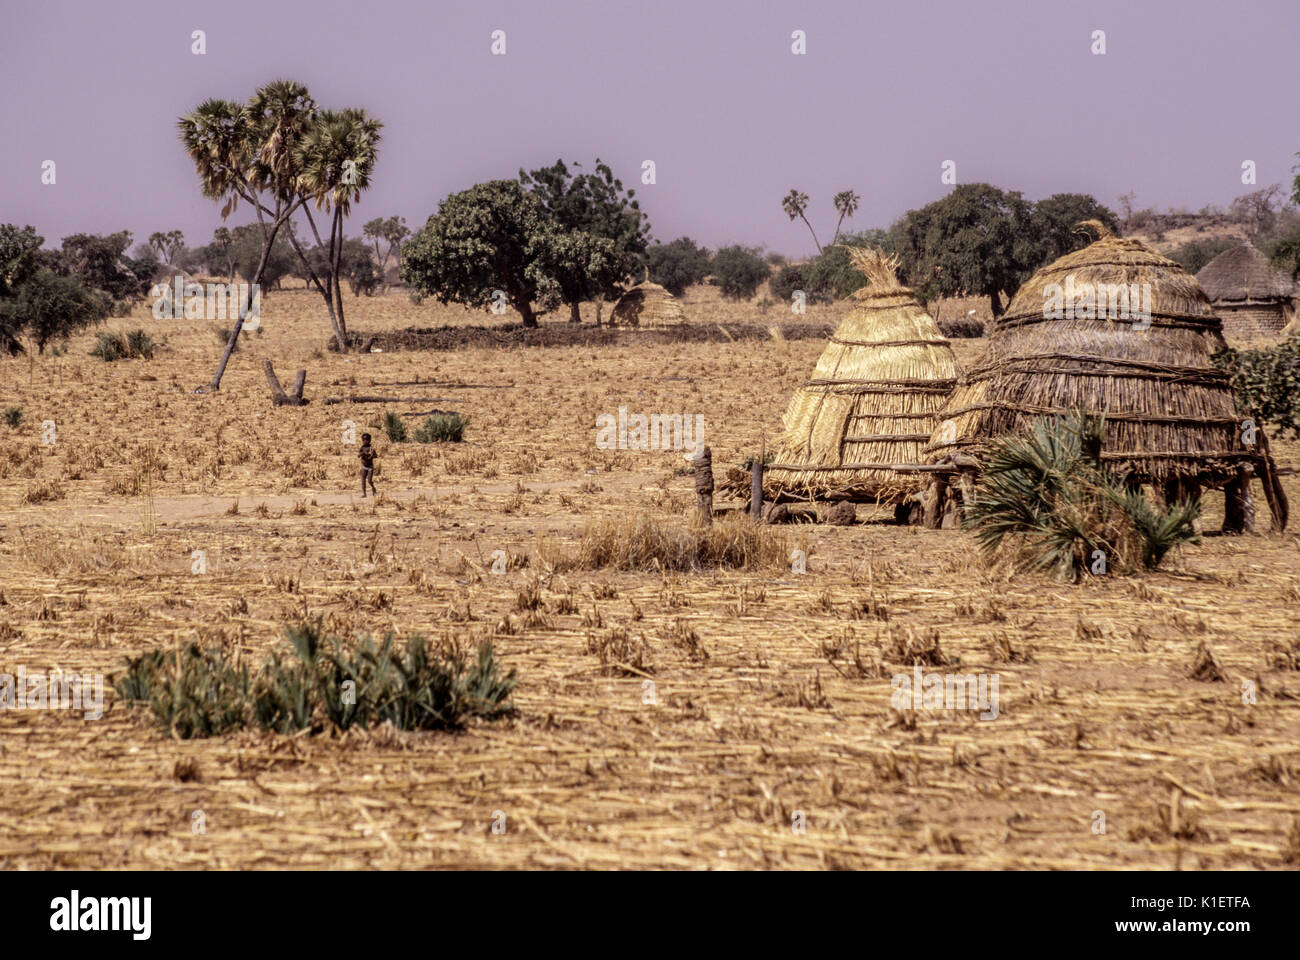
[
  {"x": 647, "y": 305},
  {"x": 853, "y": 429},
  {"x": 1169, "y": 412},
  {"x": 1243, "y": 275}
]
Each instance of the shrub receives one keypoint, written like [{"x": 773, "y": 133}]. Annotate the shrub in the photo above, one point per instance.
[
  {"x": 1194, "y": 255},
  {"x": 194, "y": 692},
  {"x": 1267, "y": 382},
  {"x": 739, "y": 271},
  {"x": 394, "y": 426},
  {"x": 787, "y": 280},
  {"x": 222, "y": 335},
  {"x": 140, "y": 344},
  {"x": 1047, "y": 496},
  {"x": 442, "y": 428},
  {"x": 13, "y": 416},
  {"x": 51, "y": 307},
  {"x": 116, "y": 346},
  {"x": 677, "y": 265},
  {"x": 110, "y": 346}
]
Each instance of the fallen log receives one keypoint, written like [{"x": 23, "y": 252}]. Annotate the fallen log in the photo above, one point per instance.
[{"x": 363, "y": 399}]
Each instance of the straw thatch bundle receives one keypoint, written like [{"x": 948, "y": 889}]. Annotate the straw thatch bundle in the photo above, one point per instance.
[
  {"x": 856, "y": 429},
  {"x": 1170, "y": 415},
  {"x": 647, "y": 305}
]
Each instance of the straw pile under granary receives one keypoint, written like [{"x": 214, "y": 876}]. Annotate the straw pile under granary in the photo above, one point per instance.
[
  {"x": 1115, "y": 330},
  {"x": 647, "y": 305},
  {"x": 1247, "y": 293},
  {"x": 855, "y": 431}
]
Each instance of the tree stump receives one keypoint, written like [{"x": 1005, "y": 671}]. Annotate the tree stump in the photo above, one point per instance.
[{"x": 278, "y": 396}]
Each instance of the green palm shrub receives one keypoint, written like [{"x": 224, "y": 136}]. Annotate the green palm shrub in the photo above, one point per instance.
[
  {"x": 322, "y": 681},
  {"x": 1047, "y": 502}
]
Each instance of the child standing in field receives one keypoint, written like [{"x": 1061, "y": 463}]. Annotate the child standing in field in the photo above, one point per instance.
[{"x": 367, "y": 457}]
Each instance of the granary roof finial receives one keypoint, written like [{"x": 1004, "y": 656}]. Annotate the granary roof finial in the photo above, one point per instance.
[{"x": 1102, "y": 231}]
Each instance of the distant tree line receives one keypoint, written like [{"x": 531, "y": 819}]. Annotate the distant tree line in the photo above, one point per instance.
[
  {"x": 979, "y": 240},
  {"x": 48, "y": 295}
]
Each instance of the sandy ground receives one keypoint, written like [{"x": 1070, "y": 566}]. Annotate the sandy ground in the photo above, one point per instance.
[{"x": 771, "y": 741}]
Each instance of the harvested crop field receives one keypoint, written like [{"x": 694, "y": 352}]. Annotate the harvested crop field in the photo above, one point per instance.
[{"x": 715, "y": 719}]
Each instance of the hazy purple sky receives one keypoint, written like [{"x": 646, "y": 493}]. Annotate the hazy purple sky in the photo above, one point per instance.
[{"x": 708, "y": 90}]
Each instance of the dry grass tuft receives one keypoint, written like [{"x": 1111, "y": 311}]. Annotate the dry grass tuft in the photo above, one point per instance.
[{"x": 642, "y": 543}]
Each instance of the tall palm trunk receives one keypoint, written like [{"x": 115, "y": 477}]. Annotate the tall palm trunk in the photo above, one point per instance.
[
  {"x": 245, "y": 305},
  {"x": 335, "y": 266},
  {"x": 321, "y": 288}
]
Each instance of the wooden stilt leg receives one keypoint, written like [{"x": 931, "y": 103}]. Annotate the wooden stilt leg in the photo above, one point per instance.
[
  {"x": 933, "y": 503},
  {"x": 1238, "y": 507}
]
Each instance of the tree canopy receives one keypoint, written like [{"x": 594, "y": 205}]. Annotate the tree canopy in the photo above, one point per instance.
[
  {"x": 677, "y": 264},
  {"x": 594, "y": 204},
  {"x": 497, "y": 242}
]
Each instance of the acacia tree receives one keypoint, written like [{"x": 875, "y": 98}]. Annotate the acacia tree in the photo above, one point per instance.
[
  {"x": 496, "y": 241},
  {"x": 594, "y": 204},
  {"x": 976, "y": 240},
  {"x": 336, "y": 157},
  {"x": 223, "y": 246},
  {"x": 249, "y": 152}
]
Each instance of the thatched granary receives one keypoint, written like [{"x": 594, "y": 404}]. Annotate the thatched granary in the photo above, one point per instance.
[
  {"x": 856, "y": 429},
  {"x": 647, "y": 305},
  {"x": 1115, "y": 330},
  {"x": 1250, "y": 297}
]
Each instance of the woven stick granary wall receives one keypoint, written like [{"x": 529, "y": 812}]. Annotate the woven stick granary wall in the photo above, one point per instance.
[
  {"x": 872, "y": 401},
  {"x": 1169, "y": 413}
]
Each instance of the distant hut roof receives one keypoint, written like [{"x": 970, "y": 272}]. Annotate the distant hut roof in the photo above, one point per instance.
[
  {"x": 873, "y": 399},
  {"x": 1169, "y": 411},
  {"x": 1243, "y": 275},
  {"x": 647, "y": 305}
]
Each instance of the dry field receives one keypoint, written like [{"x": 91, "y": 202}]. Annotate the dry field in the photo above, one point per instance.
[{"x": 772, "y": 689}]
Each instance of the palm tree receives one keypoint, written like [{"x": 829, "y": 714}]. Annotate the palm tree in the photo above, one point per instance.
[
  {"x": 795, "y": 204},
  {"x": 335, "y": 159},
  {"x": 248, "y": 152},
  {"x": 846, "y": 204}
]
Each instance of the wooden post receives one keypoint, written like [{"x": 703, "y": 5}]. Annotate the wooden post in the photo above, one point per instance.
[
  {"x": 704, "y": 485},
  {"x": 756, "y": 488},
  {"x": 1238, "y": 507},
  {"x": 933, "y": 502},
  {"x": 951, "y": 519}
]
